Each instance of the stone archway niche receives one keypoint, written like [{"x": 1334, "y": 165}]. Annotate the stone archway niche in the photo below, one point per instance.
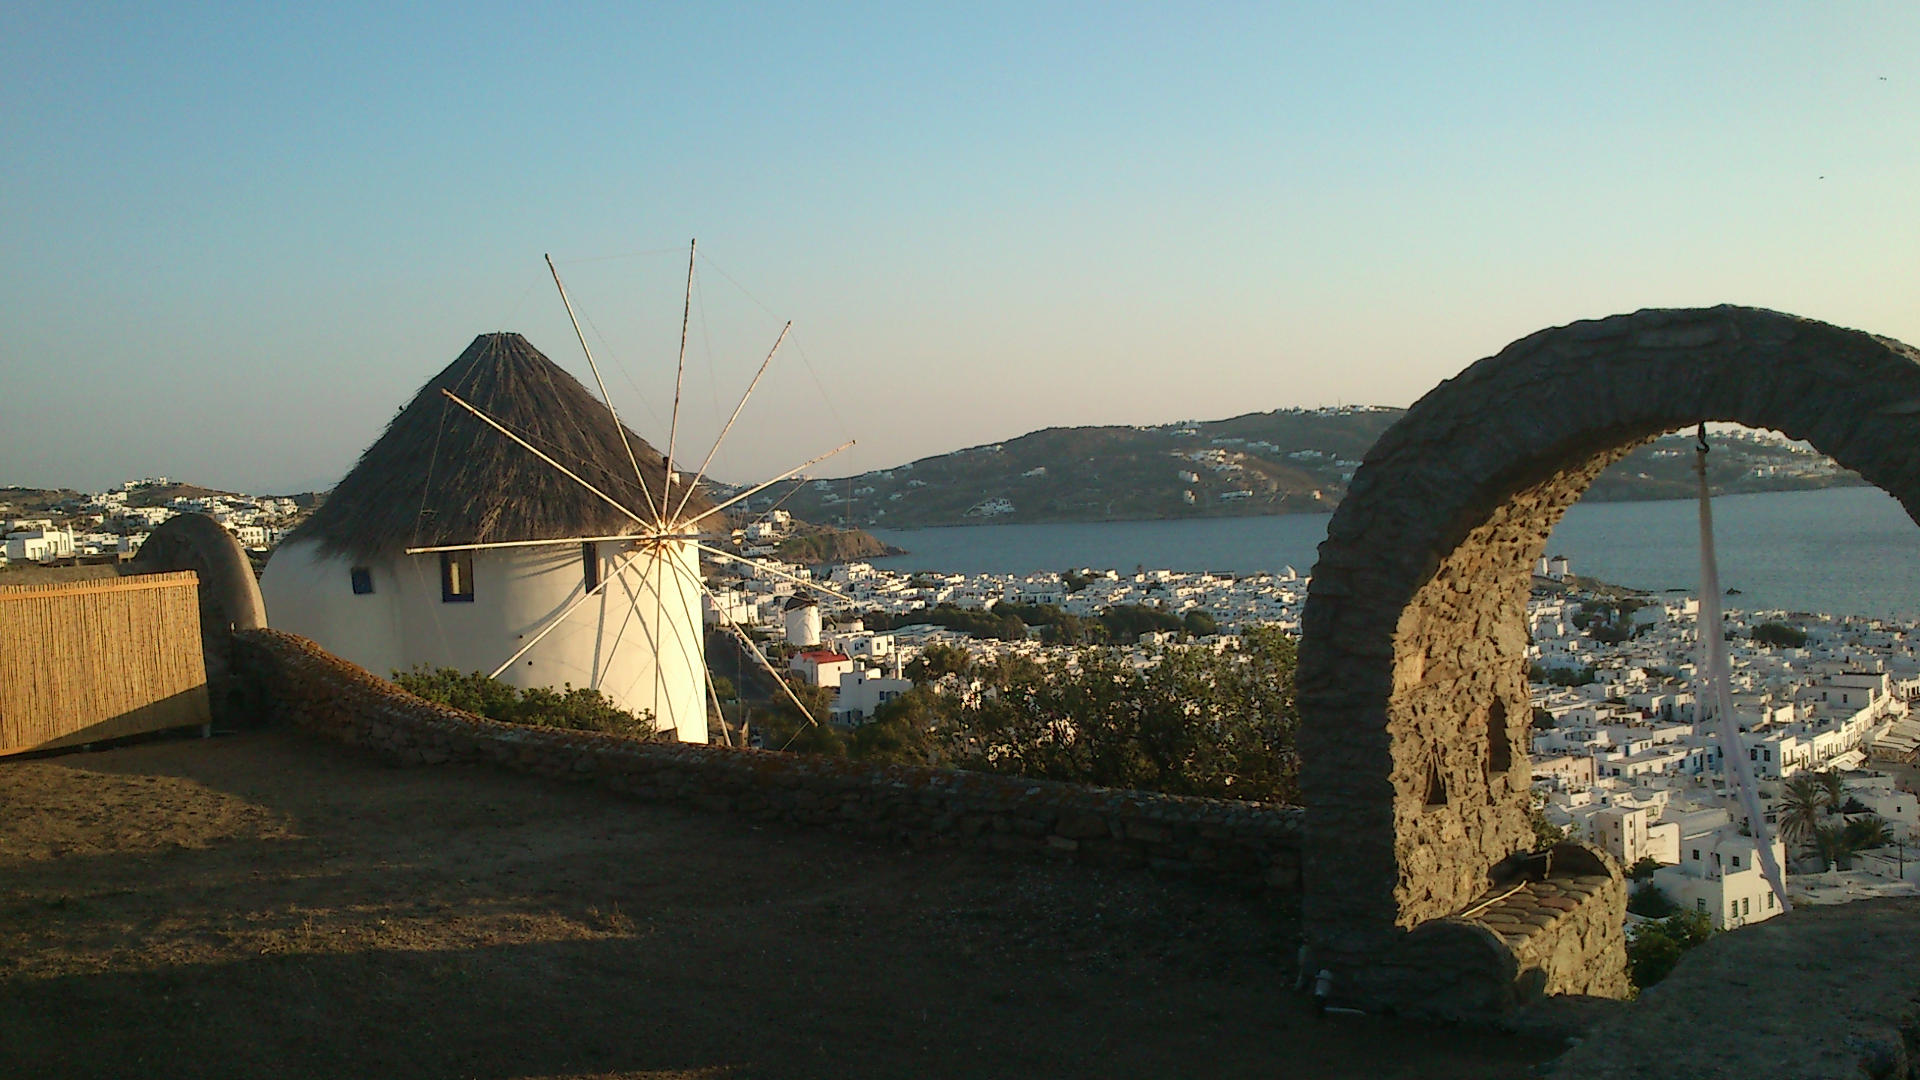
[{"x": 1412, "y": 670}]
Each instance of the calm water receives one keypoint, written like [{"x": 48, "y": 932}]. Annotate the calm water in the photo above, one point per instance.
[{"x": 1844, "y": 550}]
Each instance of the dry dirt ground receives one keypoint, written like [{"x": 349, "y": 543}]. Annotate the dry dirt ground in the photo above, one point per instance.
[{"x": 266, "y": 904}]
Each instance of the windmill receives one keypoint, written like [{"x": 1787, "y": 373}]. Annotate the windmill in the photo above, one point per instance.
[{"x": 568, "y": 549}]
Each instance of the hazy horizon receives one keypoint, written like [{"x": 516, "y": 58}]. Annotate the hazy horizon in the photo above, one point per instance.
[{"x": 236, "y": 240}]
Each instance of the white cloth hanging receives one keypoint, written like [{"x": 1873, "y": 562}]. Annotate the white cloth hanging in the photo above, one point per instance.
[{"x": 1715, "y": 686}]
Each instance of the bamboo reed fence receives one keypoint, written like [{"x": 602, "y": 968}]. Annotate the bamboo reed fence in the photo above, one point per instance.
[{"x": 91, "y": 660}]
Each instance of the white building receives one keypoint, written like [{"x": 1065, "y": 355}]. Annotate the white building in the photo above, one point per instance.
[
  {"x": 1719, "y": 875},
  {"x": 1631, "y": 833},
  {"x": 41, "y": 543},
  {"x": 821, "y": 667},
  {"x": 731, "y": 609},
  {"x": 864, "y": 690}
]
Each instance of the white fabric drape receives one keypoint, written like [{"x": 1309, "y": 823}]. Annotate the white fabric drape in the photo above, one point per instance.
[{"x": 1715, "y": 685}]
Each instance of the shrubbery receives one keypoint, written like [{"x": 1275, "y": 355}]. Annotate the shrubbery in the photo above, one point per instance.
[
  {"x": 1010, "y": 621},
  {"x": 1196, "y": 722},
  {"x": 573, "y": 708},
  {"x": 1648, "y": 901},
  {"x": 1779, "y": 635},
  {"x": 1655, "y": 948}
]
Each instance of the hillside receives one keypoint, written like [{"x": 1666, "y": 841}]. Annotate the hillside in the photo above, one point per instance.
[
  {"x": 1282, "y": 462},
  {"x": 1263, "y": 463}
]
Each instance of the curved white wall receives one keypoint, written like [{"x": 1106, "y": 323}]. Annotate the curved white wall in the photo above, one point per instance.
[
  {"x": 803, "y": 626},
  {"x": 640, "y": 640},
  {"x": 311, "y": 594}
]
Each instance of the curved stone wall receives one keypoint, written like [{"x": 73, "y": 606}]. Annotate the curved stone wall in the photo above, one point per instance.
[
  {"x": 1413, "y": 658},
  {"x": 1242, "y": 844}
]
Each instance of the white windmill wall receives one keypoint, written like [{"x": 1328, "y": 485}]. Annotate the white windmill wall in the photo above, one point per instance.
[
  {"x": 803, "y": 626},
  {"x": 311, "y": 594},
  {"x": 640, "y": 641},
  {"x": 654, "y": 650}
]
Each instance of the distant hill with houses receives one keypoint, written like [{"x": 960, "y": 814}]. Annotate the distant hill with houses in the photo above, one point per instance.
[{"x": 1282, "y": 462}]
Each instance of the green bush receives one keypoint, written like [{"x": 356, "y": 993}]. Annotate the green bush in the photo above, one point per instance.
[
  {"x": 1647, "y": 900},
  {"x": 1655, "y": 948},
  {"x": 1196, "y": 723},
  {"x": 573, "y": 708},
  {"x": 1778, "y": 634}
]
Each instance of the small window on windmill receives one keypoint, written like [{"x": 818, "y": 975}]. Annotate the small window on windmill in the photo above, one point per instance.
[
  {"x": 590, "y": 565},
  {"x": 456, "y": 577},
  {"x": 362, "y": 580}
]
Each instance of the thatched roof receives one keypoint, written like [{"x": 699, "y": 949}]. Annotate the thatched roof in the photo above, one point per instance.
[{"x": 441, "y": 476}]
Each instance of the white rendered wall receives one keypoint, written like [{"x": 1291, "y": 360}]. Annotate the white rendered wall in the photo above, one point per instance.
[
  {"x": 803, "y": 626},
  {"x": 311, "y": 594},
  {"x": 639, "y": 640}
]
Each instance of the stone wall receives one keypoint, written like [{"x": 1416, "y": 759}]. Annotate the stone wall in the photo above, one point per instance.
[
  {"x": 1412, "y": 689},
  {"x": 1250, "y": 845}
]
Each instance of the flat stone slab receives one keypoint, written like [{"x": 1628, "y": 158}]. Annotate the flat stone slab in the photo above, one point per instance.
[{"x": 1824, "y": 992}]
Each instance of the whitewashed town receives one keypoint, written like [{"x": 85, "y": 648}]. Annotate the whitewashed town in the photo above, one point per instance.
[
  {"x": 107, "y": 523},
  {"x": 1618, "y": 759}
]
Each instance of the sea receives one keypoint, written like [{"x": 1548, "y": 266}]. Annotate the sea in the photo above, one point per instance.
[{"x": 1844, "y": 551}]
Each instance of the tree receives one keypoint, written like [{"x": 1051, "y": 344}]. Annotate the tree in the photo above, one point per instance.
[
  {"x": 939, "y": 659},
  {"x": 906, "y": 730},
  {"x": 1608, "y": 633},
  {"x": 1830, "y": 842},
  {"x": 788, "y": 729},
  {"x": 1561, "y": 676},
  {"x": 1545, "y": 833},
  {"x": 1126, "y": 622},
  {"x": 1201, "y": 623},
  {"x": 1803, "y": 806},
  {"x": 1654, "y": 948},
  {"x": 1862, "y": 834},
  {"x": 1644, "y": 869},
  {"x": 1065, "y": 629},
  {"x": 1010, "y": 668},
  {"x": 1778, "y": 635},
  {"x": 1648, "y": 901},
  {"x": 1833, "y": 788},
  {"x": 1194, "y": 723}
]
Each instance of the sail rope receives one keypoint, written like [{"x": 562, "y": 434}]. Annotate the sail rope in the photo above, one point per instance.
[{"x": 1716, "y": 685}]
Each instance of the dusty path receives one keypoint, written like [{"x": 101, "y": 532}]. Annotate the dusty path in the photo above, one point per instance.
[{"x": 270, "y": 905}]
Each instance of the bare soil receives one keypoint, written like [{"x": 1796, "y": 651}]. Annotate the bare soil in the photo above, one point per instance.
[{"x": 267, "y": 904}]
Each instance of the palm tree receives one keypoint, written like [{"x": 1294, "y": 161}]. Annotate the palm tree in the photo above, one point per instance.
[
  {"x": 1837, "y": 844},
  {"x": 1870, "y": 831},
  {"x": 1833, "y": 788},
  {"x": 1803, "y": 807},
  {"x": 1831, "y": 842}
]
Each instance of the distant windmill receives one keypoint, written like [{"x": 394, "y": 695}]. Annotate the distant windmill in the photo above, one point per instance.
[{"x": 566, "y": 544}]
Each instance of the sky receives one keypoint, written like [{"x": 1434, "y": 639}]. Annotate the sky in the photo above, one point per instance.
[{"x": 234, "y": 240}]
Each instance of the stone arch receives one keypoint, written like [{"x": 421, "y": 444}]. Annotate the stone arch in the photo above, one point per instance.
[{"x": 1414, "y": 635}]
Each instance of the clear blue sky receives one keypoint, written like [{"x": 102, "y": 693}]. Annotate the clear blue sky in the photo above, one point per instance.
[{"x": 234, "y": 240}]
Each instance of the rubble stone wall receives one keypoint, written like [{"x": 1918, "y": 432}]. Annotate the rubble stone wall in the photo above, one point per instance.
[
  {"x": 1250, "y": 845},
  {"x": 1413, "y": 652}
]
